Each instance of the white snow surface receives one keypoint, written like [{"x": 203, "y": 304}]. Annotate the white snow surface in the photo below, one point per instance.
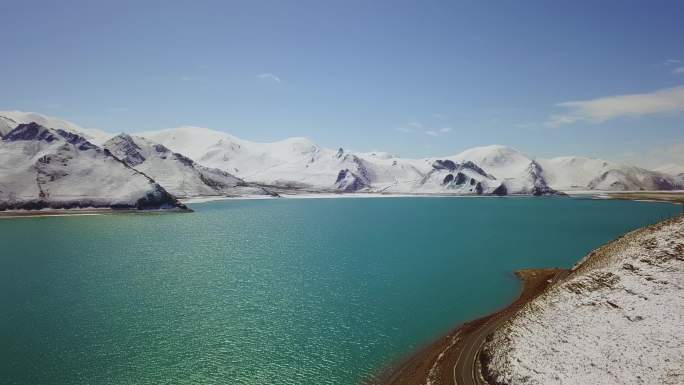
[
  {"x": 298, "y": 162},
  {"x": 570, "y": 173},
  {"x": 671, "y": 169},
  {"x": 616, "y": 319},
  {"x": 46, "y": 167},
  {"x": 178, "y": 174},
  {"x": 10, "y": 119},
  {"x": 515, "y": 169}
]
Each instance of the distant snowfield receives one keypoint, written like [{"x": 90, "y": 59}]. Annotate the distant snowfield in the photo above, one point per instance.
[{"x": 617, "y": 319}]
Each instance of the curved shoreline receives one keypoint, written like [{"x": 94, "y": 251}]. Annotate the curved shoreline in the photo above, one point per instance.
[
  {"x": 457, "y": 357},
  {"x": 437, "y": 362}
]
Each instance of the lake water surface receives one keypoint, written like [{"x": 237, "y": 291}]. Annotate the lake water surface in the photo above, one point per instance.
[{"x": 288, "y": 291}]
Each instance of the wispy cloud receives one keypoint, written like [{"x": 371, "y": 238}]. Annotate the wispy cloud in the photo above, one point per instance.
[
  {"x": 418, "y": 127},
  {"x": 668, "y": 100},
  {"x": 678, "y": 71},
  {"x": 269, "y": 76},
  {"x": 185, "y": 78},
  {"x": 671, "y": 62},
  {"x": 438, "y": 131},
  {"x": 405, "y": 130}
]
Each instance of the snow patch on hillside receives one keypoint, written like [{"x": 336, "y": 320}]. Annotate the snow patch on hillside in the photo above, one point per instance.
[
  {"x": 45, "y": 168},
  {"x": 617, "y": 319},
  {"x": 178, "y": 174}
]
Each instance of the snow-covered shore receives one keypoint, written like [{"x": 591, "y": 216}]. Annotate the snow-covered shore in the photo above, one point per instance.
[{"x": 616, "y": 319}]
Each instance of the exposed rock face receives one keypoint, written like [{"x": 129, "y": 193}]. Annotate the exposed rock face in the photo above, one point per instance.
[
  {"x": 540, "y": 187},
  {"x": 348, "y": 181},
  {"x": 461, "y": 178},
  {"x": 46, "y": 168},
  {"x": 125, "y": 149}
]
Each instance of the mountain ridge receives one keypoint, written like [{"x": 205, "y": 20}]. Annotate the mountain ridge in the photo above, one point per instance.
[
  {"x": 42, "y": 167},
  {"x": 297, "y": 163}
]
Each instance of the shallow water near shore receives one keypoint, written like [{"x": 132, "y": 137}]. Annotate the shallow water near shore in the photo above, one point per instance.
[{"x": 283, "y": 291}]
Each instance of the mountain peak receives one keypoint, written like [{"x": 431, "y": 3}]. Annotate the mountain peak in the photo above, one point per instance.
[{"x": 31, "y": 131}]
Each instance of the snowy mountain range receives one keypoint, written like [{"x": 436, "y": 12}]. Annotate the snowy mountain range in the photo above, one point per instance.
[{"x": 193, "y": 161}]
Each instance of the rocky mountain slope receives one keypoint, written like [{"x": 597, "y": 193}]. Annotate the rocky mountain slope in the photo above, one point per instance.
[
  {"x": 178, "y": 174},
  {"x": 519, "y": 173},
  {"x": 614, "y": 320},
  {"x": 297, "y": 164},
  {"x": 11, "y": 119},
  {"x": 579, "y": 173},
  {"x": 46, "y": 168}
]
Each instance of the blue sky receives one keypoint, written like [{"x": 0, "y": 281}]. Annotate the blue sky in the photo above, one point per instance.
[{"x": 414, "y": 78}]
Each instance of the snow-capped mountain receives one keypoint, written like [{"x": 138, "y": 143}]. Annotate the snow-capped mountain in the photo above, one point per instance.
[
  {"x": 578, "y": 173},
  {"x": 291, "y": 163},
  {"x": 178, "y": 174},
  {"x": 42, "y": 167},
  {"x": 11, "y": 119},
  {"x": 462, "y": 178},
  {"x": 301, "y": 164},
  {"x": 519, "y": 173}
]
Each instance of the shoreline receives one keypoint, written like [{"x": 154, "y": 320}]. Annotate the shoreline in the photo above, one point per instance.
[
  {"x": 458, "y": 358},
  {"x": 672, "y": 197},
  {"x": 13, "y": 214},
  {"x": 436, "y": 363}
]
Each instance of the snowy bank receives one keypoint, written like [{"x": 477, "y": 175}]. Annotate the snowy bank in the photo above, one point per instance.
[{"x": 616, "y": 319}]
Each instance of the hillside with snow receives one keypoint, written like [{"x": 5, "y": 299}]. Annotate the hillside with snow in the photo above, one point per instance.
[
  {"x": 300, "y": 165},
  {"x": 46, "y": 168},
  {"x": 614, "y": 320},
  {"x": 578, "y": 173},
  {"x": 178, "y": 174},
  {"x": 519, "y": 173},
  {"x": 11, "y": 119}
]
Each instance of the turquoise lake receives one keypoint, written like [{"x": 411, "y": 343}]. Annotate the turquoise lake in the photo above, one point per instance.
[{"x": 286, "y": 291}]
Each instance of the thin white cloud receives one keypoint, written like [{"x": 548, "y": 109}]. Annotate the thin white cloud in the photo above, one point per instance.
[
  {"x": 269, "y": 76},
  {"x": 419, "y": 127},
  {"x": 668, "y": 100},
  {"x": 670, "y": 62},
  {"x": 678, "y": 71},
  {"x": 185, "y": 78},
  {"x": 404, "y": 130}
]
